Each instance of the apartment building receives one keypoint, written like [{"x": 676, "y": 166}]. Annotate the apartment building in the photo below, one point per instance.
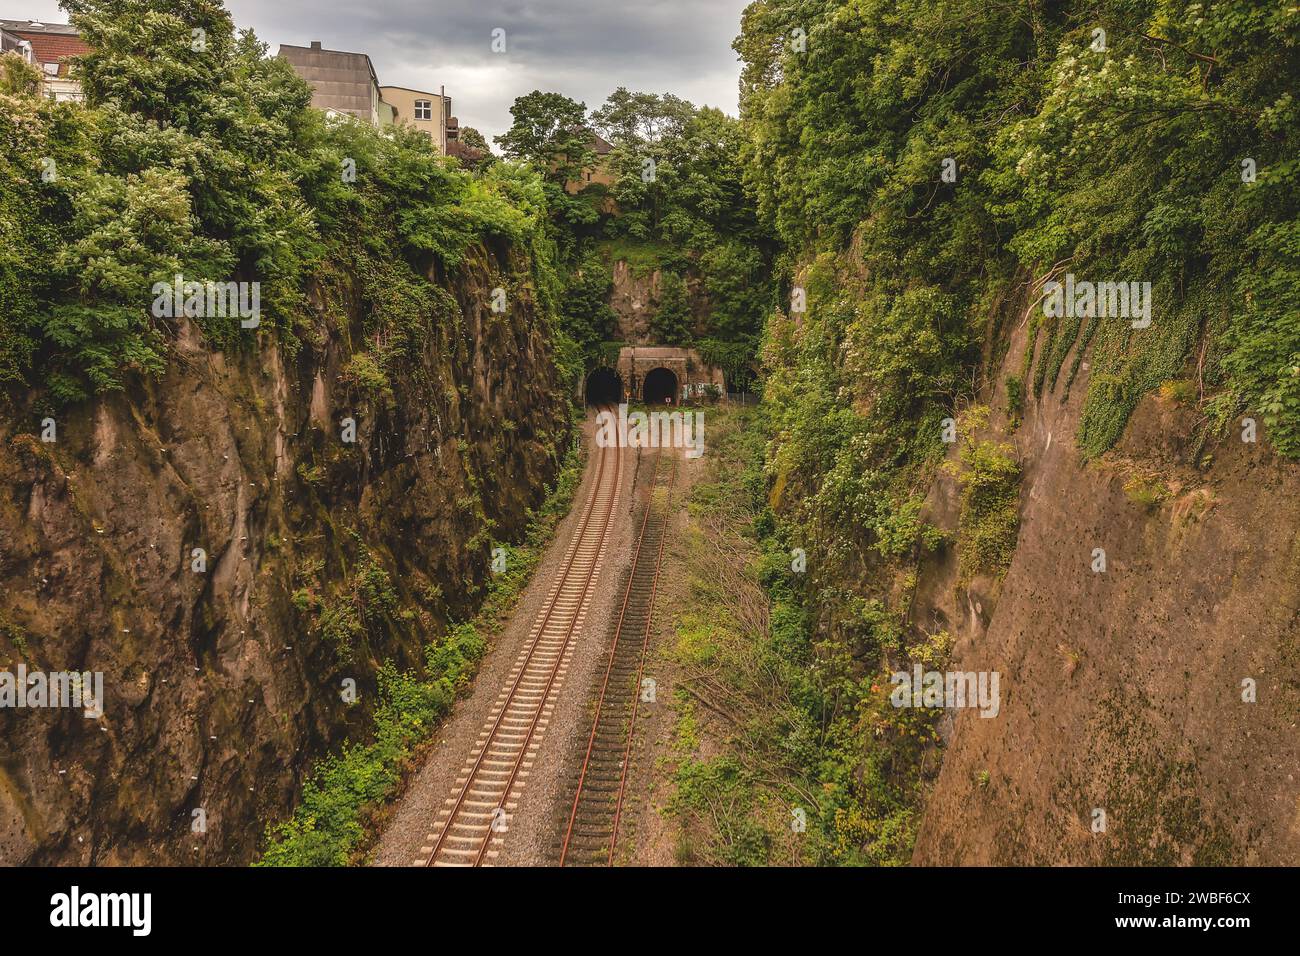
[
  {"x": 346, "y": 84},
  {"x": 49, "y": 47},
  {"x": 430, "y": 113},
  {"x": 341, "y": 82}
]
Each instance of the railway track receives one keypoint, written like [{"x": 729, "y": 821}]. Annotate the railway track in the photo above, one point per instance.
[
  {"x": 474, "y": 819},
  {"x": 590, "y": 832}
]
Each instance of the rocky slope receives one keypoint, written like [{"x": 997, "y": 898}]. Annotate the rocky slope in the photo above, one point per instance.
[
  {"x": 634, "y": 299},
  {"x": 323, "y": 559},
  {"x": 1122, "y": 690}
]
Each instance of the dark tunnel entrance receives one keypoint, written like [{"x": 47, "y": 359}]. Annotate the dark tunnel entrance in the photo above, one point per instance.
[
  {"x": 660, "y": 387},
  {"x": 604, "y": 387}
]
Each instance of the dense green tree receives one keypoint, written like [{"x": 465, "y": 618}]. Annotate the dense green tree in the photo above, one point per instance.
[
  {"x": 679, "y": 188},
  {"x": 679, "y": 206},
  {"x": 671, "y": 323},
  {"x": 551, "y": 134},
  {"x": 550, "y": 131},
  {"x": 584, "y": 311},
  {"x": 631, "y": 119},
  {"x": 196, "y": 154},
  {"x": 473, "y": 138}
]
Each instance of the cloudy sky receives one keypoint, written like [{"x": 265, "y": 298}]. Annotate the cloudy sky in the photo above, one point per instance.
[{"x": 582, "y": 48}]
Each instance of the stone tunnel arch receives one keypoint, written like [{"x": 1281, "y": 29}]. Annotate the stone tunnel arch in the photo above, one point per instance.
[
  {"x": 741, "y": 378},
  {"x": 604, "y": 387},
  {"x": 660, "y": 384}
]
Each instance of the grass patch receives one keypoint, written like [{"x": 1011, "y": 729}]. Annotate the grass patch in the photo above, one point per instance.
[
  {"x": 1180, "y": 391},
  {"x": 643, "y": 257},
  {"x": 1145, "y": 492}
]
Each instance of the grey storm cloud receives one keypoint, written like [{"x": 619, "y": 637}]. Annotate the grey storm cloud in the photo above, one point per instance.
[{"x": 581, "y": 48}]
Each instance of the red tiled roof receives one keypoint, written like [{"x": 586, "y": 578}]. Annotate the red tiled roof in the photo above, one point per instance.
[{"x": 53, "y": 47}]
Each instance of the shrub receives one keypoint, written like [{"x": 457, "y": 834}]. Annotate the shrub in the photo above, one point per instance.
[
  {"x": 366, "y": 372},
  {"x": 989, "y": 522},
  {"x": 1015, "y": 401}
]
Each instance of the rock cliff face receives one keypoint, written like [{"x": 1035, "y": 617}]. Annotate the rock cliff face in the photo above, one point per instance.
[
  {"x": 322, "y": 559},
  {"x": 1122, "y": 690},
  {"x": 634, "y": 299},
  {"x": 636, "y": 296}
]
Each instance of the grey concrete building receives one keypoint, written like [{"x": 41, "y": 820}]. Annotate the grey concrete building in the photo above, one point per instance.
[{"x": 341, "y": 82}]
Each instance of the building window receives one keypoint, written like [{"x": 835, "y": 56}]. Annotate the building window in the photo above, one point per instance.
[{"x": 424, "y": 109}]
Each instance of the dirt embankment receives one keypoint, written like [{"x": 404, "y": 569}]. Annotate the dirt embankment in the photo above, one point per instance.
[
  {"x": 323, "y": 559},
  {"x": 1122, "y": 690}
]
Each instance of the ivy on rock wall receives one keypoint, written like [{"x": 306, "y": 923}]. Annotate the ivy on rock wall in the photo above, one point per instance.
[
  {"x": 959, "y": 145},
  {"x": 929, "y": 168}
]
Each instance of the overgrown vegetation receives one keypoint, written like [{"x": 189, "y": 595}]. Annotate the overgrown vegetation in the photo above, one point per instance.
[
  {"x": 209, "y": 165},
  {"x": 928, "y": 167},
  {"x": 809, "y": 762},
  {"x": 990, "y": 493},
  {"x": 1148, "y": 142},
  {"x": 668, "y": 196}
]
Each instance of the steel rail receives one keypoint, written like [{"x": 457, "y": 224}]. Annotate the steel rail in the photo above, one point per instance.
[
  {"x": 603, "y": 696},
  {"x": 563, "y": 588}
]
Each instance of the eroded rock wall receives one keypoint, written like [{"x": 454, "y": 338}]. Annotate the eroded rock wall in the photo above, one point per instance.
[
  {"x": 223, "y": 687},
  {"x": 1122, "y": 690}
]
